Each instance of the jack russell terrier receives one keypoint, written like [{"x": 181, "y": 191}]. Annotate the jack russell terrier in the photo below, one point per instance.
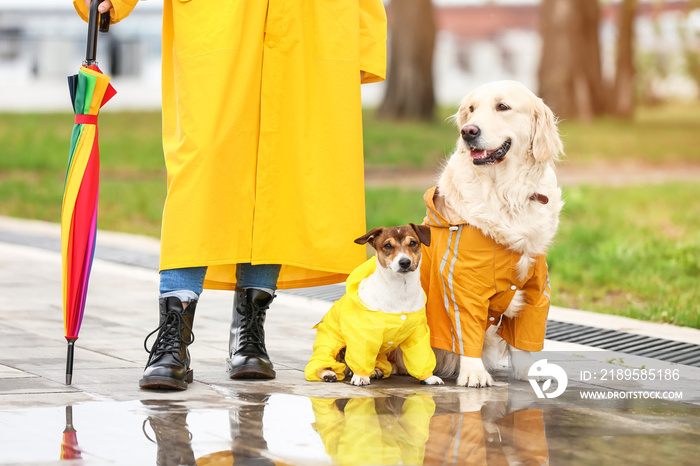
[{"x": 383, "y": 309}]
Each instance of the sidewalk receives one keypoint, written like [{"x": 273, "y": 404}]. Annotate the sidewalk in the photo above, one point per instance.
[{"x": 109, "y": 359}]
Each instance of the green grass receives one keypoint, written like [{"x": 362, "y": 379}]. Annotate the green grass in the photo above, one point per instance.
[
  {"x": 409, "y": 144},
  {"x": 631, "y": 251},
  {"x": 663, "y": 133}
]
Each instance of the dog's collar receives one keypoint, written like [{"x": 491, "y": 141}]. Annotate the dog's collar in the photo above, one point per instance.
[{"x": 541, "y": 198}]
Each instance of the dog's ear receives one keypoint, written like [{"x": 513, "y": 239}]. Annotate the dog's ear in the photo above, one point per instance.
[
  {"x": 369, "y": 236},
  {"x": 546, "y": 143},
  {"x": 423, "y": 232}
]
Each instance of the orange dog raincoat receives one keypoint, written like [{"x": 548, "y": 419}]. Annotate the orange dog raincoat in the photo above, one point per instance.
[{"x": 470, "y": 280}]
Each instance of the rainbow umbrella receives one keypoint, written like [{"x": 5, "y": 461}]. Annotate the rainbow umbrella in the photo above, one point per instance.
[{"x": 90, "y": 90}]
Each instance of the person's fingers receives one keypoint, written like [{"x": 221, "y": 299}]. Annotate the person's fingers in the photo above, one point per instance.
[{"x": 105, "y": 6}]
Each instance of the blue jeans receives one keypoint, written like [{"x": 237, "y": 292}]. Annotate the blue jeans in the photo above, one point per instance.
[{"x": 187, "y": 283}]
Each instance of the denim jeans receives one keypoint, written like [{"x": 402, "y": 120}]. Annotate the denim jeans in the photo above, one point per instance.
[{"x": 187, "y": 283}]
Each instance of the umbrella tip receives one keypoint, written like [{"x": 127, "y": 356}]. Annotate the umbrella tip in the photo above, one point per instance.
[{"x": 69, "y": 379}]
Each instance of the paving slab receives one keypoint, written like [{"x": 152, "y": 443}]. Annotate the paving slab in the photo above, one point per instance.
[{"x": 105, "y": 418}]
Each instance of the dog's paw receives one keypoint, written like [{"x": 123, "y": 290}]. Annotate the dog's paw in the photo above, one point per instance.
[
  {"x": 432, "y": 380},
  {"x": 329, "y": 376},
  {"x": 359, "y": 380},
  {"x": 378, "y": 374},
  {"x": 472, "y": 373},
  {"x": 476, "y": 378}
]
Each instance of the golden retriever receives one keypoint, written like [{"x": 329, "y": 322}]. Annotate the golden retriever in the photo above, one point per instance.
[{"x": 501, "y": 181}]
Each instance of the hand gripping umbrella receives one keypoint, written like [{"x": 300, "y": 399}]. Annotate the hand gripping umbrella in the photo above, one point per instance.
[{"x": 90, "y": 90}]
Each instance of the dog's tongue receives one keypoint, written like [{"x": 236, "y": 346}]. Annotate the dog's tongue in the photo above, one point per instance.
[{"x": 478, "y": 154}]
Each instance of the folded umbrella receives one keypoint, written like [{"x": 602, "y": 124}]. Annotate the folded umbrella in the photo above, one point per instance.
[{"x": 90, "y": 90}]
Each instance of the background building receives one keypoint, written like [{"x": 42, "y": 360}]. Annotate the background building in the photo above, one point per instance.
[{"x": 43, "y": 41}]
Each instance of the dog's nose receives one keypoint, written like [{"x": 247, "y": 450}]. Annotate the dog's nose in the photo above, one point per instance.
[
  {"x": 470, "y": 132},
  {"x": 404, "y": 263}
]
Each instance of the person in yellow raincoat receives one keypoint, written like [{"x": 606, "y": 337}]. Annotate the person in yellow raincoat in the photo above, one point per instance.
[
  {"x": 262, "y": 136},
  {"x": 470, "y": 280},
  {"x": 368, "y": 336}
]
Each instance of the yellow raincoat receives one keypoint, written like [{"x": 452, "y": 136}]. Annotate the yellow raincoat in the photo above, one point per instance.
[
  {"x": 470, "y": 280},
  {"x": 368, "y": 431},
  {"x": 369, "y": 336},
  {"x": 262, "y": 133}
]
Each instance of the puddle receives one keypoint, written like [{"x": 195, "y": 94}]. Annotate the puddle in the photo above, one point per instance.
[{"x": 470, "y": 427}]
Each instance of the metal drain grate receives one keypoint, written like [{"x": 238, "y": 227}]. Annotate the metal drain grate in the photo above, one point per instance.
[
  {"x": 630, "y": 343},
  {"x": 613, "y": 340}
]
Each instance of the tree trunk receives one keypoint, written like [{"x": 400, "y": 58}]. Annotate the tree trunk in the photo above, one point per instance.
[
  {"x": 570, "y": 75},
  {"x": 623, "y": 94},
  {"x": 409, "y": 92}
]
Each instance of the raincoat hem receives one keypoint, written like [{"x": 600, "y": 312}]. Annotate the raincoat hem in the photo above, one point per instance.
[
  {"x": 182, "y": 265},
  {"x": 469, "y": 351}
]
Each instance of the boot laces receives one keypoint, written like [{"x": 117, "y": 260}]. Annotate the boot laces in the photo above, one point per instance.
[
  {"x": 252, "y": 331},
  {"x": 169, "y": 339}
]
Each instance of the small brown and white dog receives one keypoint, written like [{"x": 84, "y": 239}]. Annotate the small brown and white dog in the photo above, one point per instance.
[
  {"x": 383, "y": 309},
  {"x": 501, "y": 180}
]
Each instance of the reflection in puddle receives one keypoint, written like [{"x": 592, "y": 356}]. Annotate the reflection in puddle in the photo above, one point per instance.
[
  {"x": 70, "y": 450},
  {"x": 391, "y": 430},
  {"x": 447, "y": 427},
  {"x": 397, "y": 430},
  {"x": 168, "y": 423}
]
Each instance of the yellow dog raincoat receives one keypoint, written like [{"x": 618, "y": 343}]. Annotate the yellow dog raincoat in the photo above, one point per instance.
[
  {"x": 369, "y": 335},
  {"x": 390, "y": 430},
  {"x": 470, "y": 280}
]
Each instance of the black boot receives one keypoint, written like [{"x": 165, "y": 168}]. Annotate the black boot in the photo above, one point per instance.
[
  {"x": 168, "y": 367},
  {"x": 173, "y": 437},
  {"x": 248, "y": 444},
  {"x": 248, "y": 356}
]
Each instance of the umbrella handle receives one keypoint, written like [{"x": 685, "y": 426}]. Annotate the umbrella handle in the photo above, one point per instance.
[{"x": 93, "y": 24}]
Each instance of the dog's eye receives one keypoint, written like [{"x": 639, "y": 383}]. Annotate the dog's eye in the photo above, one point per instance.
[
  {"x": 388, "y": 246},
  {"x": 413, "y": 244},
  {"x": 502, "y": 107},
  {"x": 471, "y": 108}
]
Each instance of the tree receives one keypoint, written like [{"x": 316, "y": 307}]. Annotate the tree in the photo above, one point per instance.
[
  {"x": 570, "y": 75},
  {"x": 409, "y": 92},
  {"x": 622, "y": 99}
]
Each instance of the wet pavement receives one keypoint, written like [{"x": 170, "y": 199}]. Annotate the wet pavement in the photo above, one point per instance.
[{"x": 104, "y": 418}]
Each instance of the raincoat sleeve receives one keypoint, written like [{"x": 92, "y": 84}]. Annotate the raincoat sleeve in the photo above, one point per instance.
[
  {"x": 418, "y": 356},
  {"x": 373, "y": 28},
  {"x": 415, "y": 428},
  {"x": 327, "y": 345},
  {"x": 120, "y": 9},
  {"x": 383, "y": 364},
  {"x": 526, "y": 331},
  {"x": 363, "y": 345},
  {"x": 330, "y": 423}
]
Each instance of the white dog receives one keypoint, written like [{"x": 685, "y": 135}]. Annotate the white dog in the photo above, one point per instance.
[
  {"x": 492, "y": 215},
  {"x": 382, "y": 310}
]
